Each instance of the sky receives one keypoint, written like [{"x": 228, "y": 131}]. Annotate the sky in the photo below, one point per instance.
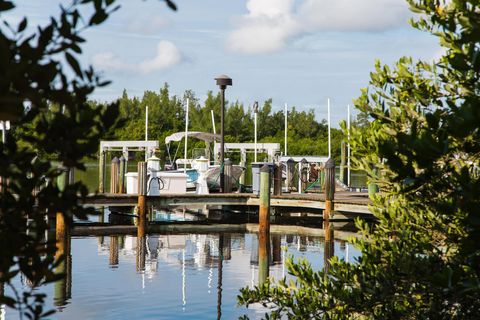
[{"x": 296, "y": 52}]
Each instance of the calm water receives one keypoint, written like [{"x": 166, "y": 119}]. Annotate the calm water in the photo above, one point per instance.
[{"x": 175, "y": 276}]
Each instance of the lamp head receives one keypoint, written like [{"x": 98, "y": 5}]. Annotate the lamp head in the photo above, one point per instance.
[{"x": 223, "y": 81}]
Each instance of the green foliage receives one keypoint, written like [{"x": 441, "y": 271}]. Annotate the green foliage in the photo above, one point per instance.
[
  {"x": 44, "y": 91},
  {"x": 306, "y": 136},
  {"x": 421, "y": 261}
]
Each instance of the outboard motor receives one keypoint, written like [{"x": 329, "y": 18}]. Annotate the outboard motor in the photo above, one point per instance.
[{"x": 201, "y": 165}]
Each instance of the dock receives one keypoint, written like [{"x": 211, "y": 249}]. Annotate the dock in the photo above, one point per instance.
[{"x": 345, "y": 202}]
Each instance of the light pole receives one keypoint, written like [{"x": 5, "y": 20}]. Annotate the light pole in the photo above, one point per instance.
[{"x": 222, "y": 81}]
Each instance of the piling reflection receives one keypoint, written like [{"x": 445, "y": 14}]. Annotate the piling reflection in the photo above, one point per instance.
[
  {"x": 329, "y": 246},
  {"x": 113, "y": 252},
  {"x": 141, "y": 253},
  {"x": 220, "y": 275},
  {"x": 63, "y": 287}
]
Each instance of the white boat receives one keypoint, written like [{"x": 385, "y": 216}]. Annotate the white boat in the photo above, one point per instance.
[{"x": 188, "y": 165}]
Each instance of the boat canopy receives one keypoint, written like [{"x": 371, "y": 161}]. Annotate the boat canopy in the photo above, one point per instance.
[{"x": 205, "y": 136}]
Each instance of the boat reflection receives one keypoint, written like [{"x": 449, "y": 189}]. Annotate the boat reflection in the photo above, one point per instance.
[{"x": 213, "y": 257}]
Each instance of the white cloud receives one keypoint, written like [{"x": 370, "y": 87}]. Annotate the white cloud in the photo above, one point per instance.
[
  {"x": 348, "y": 15},
  {"x": 167, "y": 55},
  {"x": 147, "y": 25},
  {"x": 270, "y": 24}
]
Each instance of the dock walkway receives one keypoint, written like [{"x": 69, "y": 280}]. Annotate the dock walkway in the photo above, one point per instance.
[{"x": 345, "y": 202}]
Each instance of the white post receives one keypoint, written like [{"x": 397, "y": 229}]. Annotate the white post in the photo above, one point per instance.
[
  {"x": 213, "y": 122},
  {"x": 214, "y": 140},
  {"x": 255, "y": 143},
  {"x": 255, "y": 110},
  {"x": 348, "y": 145},
  {"x": 146, "y": 131},
  {"x": 4, "y": 131},
  {"x": 329, "y": 134},
  {"x": 286, "y": 128},
  {"x": 186, "y": 137}
]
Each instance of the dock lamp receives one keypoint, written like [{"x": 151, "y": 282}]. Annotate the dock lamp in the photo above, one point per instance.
[{"x": 222, "y": 81}]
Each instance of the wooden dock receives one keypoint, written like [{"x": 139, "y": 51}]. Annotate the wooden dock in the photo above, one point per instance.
[{"x": 345, "y": 202}]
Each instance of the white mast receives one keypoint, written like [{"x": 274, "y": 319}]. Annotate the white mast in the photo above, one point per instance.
[
  {"x": 146, "y": 131},
  {"x": 213, "y": 123},
  {"x": 286, "y": 128},
  {"x": 186, "y": 137},
  {"x": 255, "y": 110},
  {"x": 329, "y": 134},
  {"x": 348, "y": 145}
]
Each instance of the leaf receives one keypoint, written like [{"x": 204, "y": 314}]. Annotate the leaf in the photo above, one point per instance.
[
  {"x": 6, "y": 5},
  {"x": 74, "y": 64},
  {"x": 171, "y": 5},
  {"x": 22, "y": 25}
]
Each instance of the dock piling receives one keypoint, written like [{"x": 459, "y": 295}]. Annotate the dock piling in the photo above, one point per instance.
[
  {"x": 303, "y": 176},
  {"x": 228, "y": 176},
  {"x": 142, "y": 201},
  {"x": 277, "y": 179},
  {"x": 121, "y": 176},
  {"x": 114, "y": 175},
  {"x": 264, "y": 224},
  {"x": 101, "y": 172},
  {"x": 290, "y": 174},
  {"x": 329, "y": 188}
]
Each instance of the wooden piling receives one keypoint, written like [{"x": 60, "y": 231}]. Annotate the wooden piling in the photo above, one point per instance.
[
  {"x": 101, "y": 172},
  {"x": 142, "y": 201},
  {"x": 121, "y": 176},
  {"x": 277, "y": 179},
  {"x": 303, "y": 176},
  {"x": 62, "y": 288},
  {"x": 228, "y": 176},
  {"x": 114, "y": 175},
  {"x": 264, "y": 224},
  {"x": 329, "y": 188},
  {"x": 290, "y": 184}
]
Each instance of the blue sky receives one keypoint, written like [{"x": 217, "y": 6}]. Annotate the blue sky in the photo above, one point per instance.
[{"x": 298, "y": 52}]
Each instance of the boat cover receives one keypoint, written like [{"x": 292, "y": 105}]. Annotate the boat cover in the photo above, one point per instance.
[{"x": 205, "y": 136}]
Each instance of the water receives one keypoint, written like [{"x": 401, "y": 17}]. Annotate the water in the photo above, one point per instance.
[{"x": 178, "y": 276}]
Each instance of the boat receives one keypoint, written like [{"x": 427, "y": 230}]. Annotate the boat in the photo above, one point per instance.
[{"x": 191, "y": 165}]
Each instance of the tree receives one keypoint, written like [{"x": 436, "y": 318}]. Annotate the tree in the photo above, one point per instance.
[
  {"x": 44, "y": 92},
  {"x": 420, "y": 261}
]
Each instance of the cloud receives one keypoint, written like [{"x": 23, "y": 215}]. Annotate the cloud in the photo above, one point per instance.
[
  {"x": 147, "y": 25},
  {"x": 167, "y": 55},
  {"x": 270, "y": 24}
]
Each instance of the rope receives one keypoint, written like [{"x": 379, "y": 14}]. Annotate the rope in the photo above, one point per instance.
[{"x": 161, "y": 183}]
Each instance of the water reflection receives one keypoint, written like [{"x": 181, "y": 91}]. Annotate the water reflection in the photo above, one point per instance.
[{"x": 177, "y": 275}]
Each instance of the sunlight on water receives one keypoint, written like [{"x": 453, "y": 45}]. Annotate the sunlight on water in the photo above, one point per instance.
[{"x": 174, "y": 276}]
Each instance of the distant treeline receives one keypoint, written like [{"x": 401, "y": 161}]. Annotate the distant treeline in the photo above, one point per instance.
[{"x": 166, "y": 114}]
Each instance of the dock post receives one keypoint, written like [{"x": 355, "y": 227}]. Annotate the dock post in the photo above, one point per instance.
[
  {"x": 243, "y": 163},
  {"x": 228, "y": 177},
  {"x": 62, "y": 288},
  {"x": 303, "y": 176},
  {"x": 264, "y": 224},
  {"x": 101, "y": 171},
  {"x": 277, "y": 179},
  {"x": 121, "y": 177},
  {"x": 142, "y": 201},
  {"x": 343, "y": 163},
  {"x": 290, "y": 174},
  {"x": 329, "y": 188},
  {"x": 114, "y": 175}
]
